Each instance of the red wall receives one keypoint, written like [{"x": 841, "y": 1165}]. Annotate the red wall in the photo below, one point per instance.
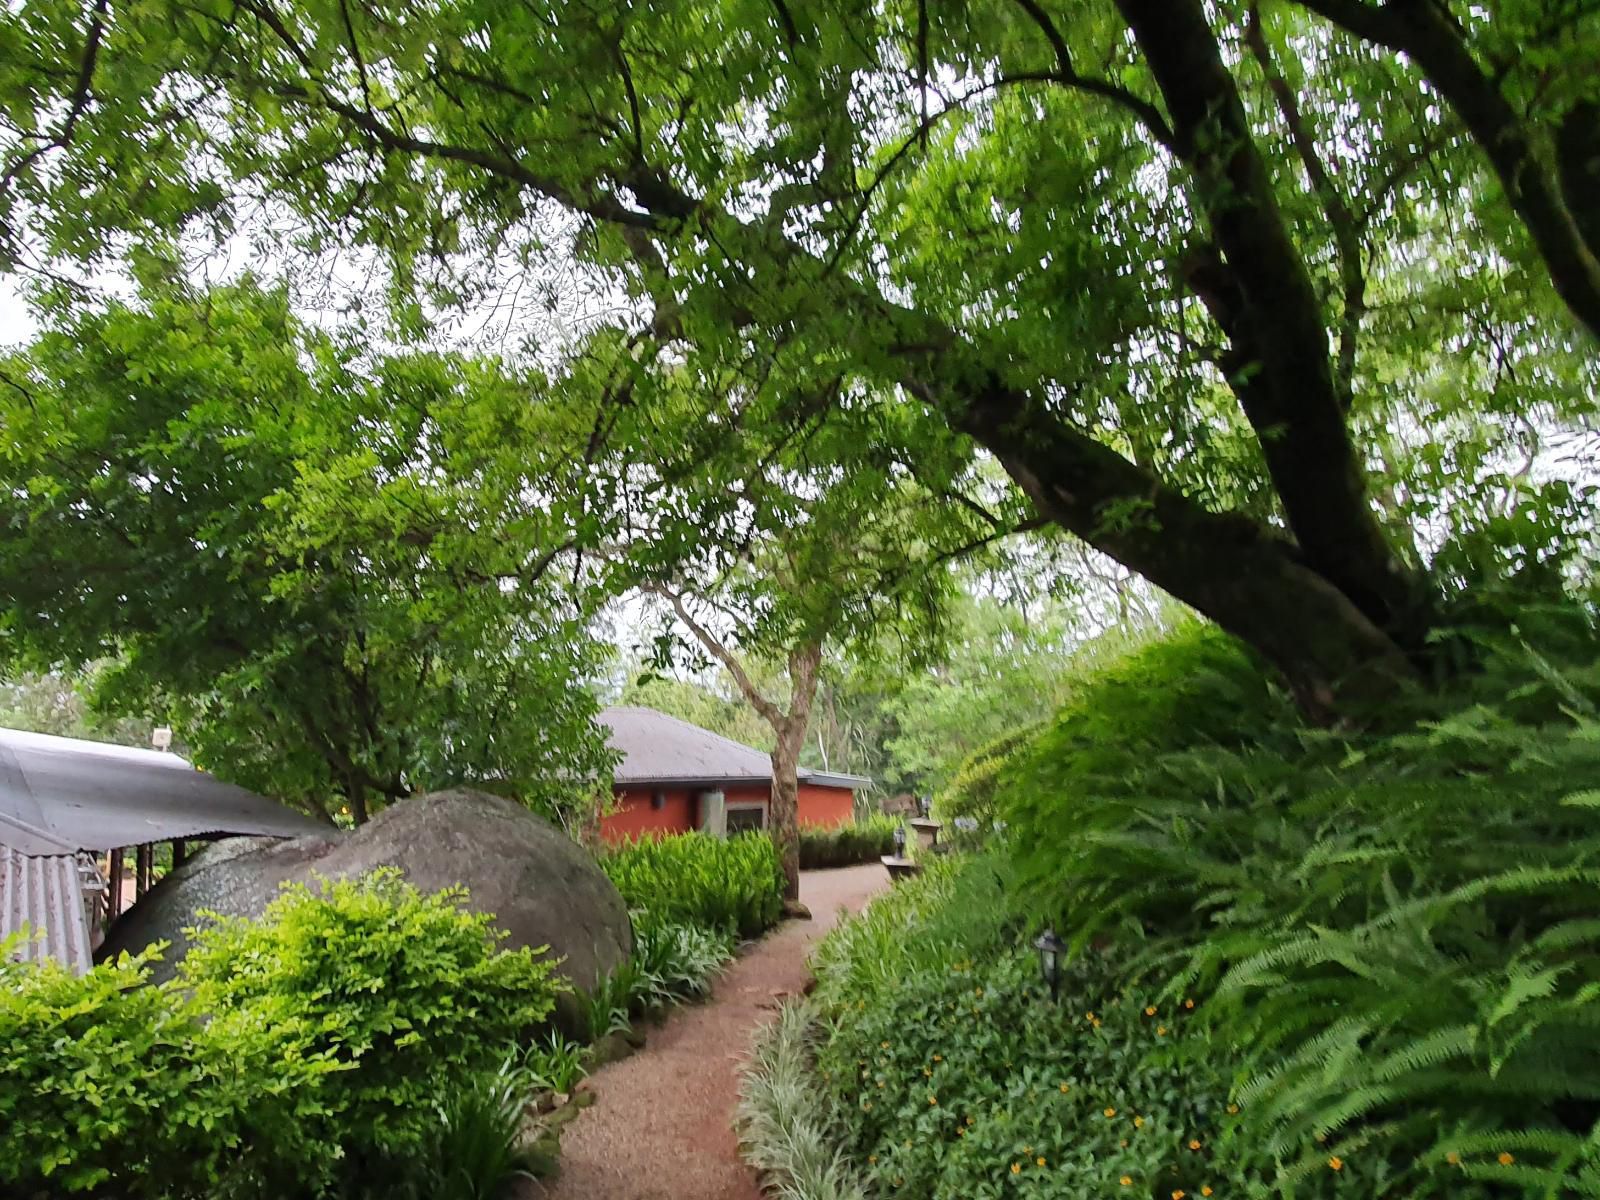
[
  {"x": 826, "y": 806},
  {"x": 633, "y": 816}
]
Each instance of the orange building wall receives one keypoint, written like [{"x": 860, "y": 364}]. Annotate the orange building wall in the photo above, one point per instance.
[
  {"x": 826, "y": 806},
  {"x": 633, "y": 816}
]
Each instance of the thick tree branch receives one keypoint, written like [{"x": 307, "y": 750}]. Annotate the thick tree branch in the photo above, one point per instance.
[
  {"x": 1426, "y": 33},
  {"x": 714, "y": 647}
]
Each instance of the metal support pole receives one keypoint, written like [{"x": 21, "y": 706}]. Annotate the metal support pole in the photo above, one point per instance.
[{"x": 114, "y": 877}]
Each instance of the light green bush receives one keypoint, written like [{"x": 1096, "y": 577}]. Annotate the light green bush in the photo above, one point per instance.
[
  {"x": 406, "y": 993},
  {"x": 110, "y": 1085},
  {"x": 309, "y": 1054},
  {"x": 731, "y": 884}
]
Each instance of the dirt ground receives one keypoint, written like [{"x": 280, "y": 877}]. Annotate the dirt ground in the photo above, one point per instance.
[{"x": 661, "y": 1124}]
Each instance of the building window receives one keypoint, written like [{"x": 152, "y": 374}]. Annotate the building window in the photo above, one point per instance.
[{"x": 746, "y": 818}]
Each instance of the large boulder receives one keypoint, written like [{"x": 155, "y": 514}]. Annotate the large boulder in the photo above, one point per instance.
[{"x": 542, "y": 888}]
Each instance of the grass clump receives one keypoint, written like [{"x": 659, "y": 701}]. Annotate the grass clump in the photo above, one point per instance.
[{"x": 789, "y": 1129}]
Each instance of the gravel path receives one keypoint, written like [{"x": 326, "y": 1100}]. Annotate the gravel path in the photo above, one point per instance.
[{"x": 660, "y": 1127}]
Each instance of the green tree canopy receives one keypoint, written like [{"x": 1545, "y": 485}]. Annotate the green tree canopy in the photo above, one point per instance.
[
  {"x": 1193, "y": 274},
  {"x": 316, "y": 559}
]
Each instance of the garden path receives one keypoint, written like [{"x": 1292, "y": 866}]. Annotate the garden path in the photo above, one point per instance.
[{"x": 661, "y": 1124}]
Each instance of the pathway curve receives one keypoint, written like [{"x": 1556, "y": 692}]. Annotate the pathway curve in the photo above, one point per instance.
[{"x": 661, "y": 1127}]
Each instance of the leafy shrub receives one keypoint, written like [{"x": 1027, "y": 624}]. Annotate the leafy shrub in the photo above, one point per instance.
[
  {"x": 672, "y": 962},
  {"x": 844, "y": 845},
  {"x": 789, "y": 1130},
  {"x": 731, "y": 884},
  {"x": 1391, "y": 929},
  {"x": 109, "y": 1083},
  {"x": 407, "y": 994},
  {"x": 956, "y": 1075}
]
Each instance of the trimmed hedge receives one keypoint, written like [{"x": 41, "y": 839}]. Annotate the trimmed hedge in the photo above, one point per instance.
[{"x": 845, "y": 845}]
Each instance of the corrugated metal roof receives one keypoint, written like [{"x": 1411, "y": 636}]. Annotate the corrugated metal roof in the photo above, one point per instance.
[
  {"x": 656, "y": 748},
  {"x": 95, "y": 796},
  {"x": 45, "y": 893}
]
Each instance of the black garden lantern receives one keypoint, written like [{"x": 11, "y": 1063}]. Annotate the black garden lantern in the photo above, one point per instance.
[
  {"x": 899, "y": 841},
  {"x": 1050, "y": 948}
]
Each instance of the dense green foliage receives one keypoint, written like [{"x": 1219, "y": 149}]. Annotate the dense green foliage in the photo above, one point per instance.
[
  {"x": 673, "y": 961},
  {"x": 730, "y": 884},
  {"x": 956, "y": 1076},
  {"x": 1356, "y": 962},
  {"x": 1433, "y": 885},
  {"x": 314, "y": 562},
  {"x": 305, "y": 1055},
  {"x": 864, "y": 840}
]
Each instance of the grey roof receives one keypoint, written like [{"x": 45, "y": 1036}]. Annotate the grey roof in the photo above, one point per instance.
[
  {"x": 45, "y": 893},
  {"x": 658, "y": 749},
  {"x": 93, "y": 796}
]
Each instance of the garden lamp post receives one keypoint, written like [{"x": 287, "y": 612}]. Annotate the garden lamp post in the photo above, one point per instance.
[
  {"x": 900, "y": 841},
  {"x": 1050, "y": 949}
]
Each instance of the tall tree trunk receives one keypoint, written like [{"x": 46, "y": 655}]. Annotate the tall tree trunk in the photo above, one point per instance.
[
  {"x": 355, "y": 790},
  {"x": 783, "y": 812},
  {"x": 1249, "y": 579}
]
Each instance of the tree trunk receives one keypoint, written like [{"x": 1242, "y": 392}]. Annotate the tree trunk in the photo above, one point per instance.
[
  {"x": 355, "y": 790},
  {"x": 783, "y": 813},
  {"x": 1263, "y": 297}
]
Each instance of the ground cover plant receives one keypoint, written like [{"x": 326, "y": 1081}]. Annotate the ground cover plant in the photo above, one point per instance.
[
  {"x": 860, "y": 841},
  {"x": 731, "y": 884}
]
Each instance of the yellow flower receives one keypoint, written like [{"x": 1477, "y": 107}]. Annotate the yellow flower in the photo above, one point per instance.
[
  {"x": 927, "y": 1072},
  {"x": 1097, "y": 1022},
  {"x": 1206, "y": 1191},
  {"x": 1161, "y": 1031},
  {"x": 1453, "y": 1159},
  {"x": 1194, "y": 1144},
  {"x": 938, "y": 1058},
  {"x": 1190, "y": 1004},
  {"x": 933, "y": 1099},
  {"x": 1066, "y": 1087},
  {"x": 1111, "y": 1112},
  {"x": 1138, "y": 1122},
  {"x": 1507, "y": 1159},
  {"x": 884, "y": 1045},
  {"x": 961, "y": 1131},
  {"x": 1088, "y": 1016},
  {"x": 1126, "y": 1181},
  {"x": 1040, "y": 1160},
  {"x": 1232, "y": 1109},
  {"x": 1179, "y": 1194},
  {"x": 1016, "y": 1168},
  {"x": 1336, "y": 1163},
  {"x": 872, "y": 1158},
  {"x": 972, "y": 1120},
  {"x": 1151, "y": 1011}
]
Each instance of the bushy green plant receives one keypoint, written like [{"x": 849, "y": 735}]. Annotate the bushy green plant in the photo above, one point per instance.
[
  {"x": 970, "y": 794},
  {"x": 860, "y": 841},
  {"x": 733, "y": 884},
  {"x": 789, "y": 1128},
  {"x": 407, "y": 994},
  {"x": 111, "y": 1085},
  {"x": 672, "y": 961}
]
